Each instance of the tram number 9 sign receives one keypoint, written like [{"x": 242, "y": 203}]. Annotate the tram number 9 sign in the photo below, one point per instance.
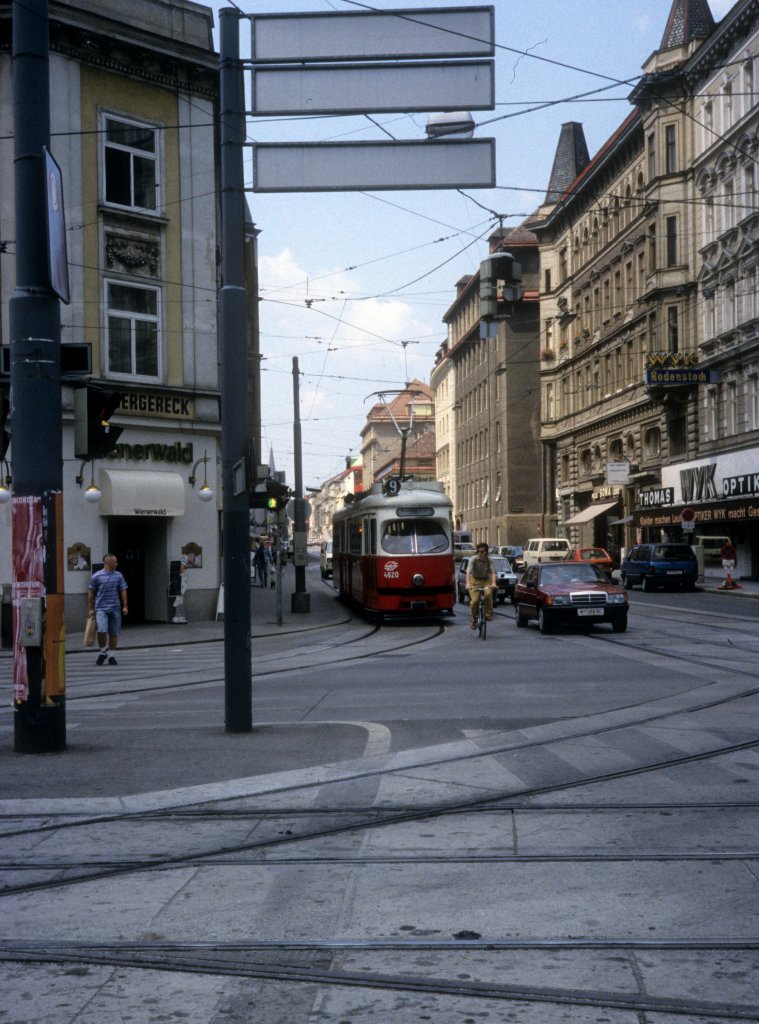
[{"x": 391, "y": 486}]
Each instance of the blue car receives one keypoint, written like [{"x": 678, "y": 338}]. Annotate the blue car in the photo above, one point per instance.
[{"x": 655, "y": 566}]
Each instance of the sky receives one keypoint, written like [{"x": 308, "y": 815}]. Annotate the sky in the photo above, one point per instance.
[{"x": 355, "y": 284}]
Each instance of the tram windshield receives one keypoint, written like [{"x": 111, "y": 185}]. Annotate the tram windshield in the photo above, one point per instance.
[{"x": 414, "y": 537}]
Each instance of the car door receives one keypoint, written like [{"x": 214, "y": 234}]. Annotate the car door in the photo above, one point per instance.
[{"x": 528, "y": 591}]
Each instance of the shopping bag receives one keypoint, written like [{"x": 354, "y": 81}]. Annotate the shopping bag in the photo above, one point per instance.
[{"x": 89, "y": 632}]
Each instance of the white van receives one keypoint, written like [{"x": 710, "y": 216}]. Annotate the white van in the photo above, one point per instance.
[
  {"x": 546, "y": 549},
  {"x": 712, "y": 546}
]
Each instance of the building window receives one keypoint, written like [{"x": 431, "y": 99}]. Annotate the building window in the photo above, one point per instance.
[
  {"x": 752, "y": 402},
  {"x": 673, "y": 334},
  {"x": 708, "y": 123},
  {"x": 133, "y": 333},
  {"x": 651, "y": 248},
  {"x": 547, "y": 280},
  {"x": 671, "y": 230},
  {"x": 670, "y": 144},
  {"x": 651, "y": 149},
  {"x": 731, "y": 409},
  {"x": 131, "y": 156},
  {"x": 652, "y": 443}
]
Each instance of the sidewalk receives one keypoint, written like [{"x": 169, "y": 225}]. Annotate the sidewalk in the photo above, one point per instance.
[{"x": 325, "y": 610}]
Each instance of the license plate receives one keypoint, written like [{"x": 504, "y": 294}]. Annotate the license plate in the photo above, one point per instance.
[
  {"x": 674, "y": 572},
  {"x": 590, "y": 611}
]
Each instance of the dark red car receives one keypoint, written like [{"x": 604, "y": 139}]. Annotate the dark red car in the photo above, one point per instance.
[{"x": 569, "y": 594}]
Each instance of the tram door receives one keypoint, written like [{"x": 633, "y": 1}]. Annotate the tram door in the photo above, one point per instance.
[{"x": 126, "y": 540}]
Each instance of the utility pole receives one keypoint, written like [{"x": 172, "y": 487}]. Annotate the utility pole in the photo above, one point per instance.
[
  {"x": 39, "y": 721},
  {"x": 300, "y": 600},
  {"x": 234, "y": 410}
]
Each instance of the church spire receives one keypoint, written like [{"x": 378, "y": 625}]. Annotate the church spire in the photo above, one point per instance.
[
  {"x": 571, "y": 158},
  {"x": 688, "y": 20}
]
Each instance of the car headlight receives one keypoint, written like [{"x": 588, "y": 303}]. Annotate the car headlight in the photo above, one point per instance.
[
  {"x": 560, "y": 599},
  {"x": 617, "y": 598}
]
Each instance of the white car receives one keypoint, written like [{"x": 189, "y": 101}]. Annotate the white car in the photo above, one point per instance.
[{"x": 546, "y": 549}]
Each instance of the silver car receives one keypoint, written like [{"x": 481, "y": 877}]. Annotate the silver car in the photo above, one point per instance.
[{"x": 507, "y": 579}]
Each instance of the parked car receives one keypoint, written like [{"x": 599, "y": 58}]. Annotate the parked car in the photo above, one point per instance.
[
  {"x": 325, "y": 559},
  {"x": 515, "y": 555},
  {"x": 546, "y": 549},
  {"x": 462, "y": 550},
  {"x": 660, "y": 565},
  {"x": 596, "y": 556},
  {"x": 507, "y": 579},
  {"x": 569, "y": 594}
]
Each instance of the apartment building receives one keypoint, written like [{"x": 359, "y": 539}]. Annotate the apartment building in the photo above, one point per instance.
[
  {"x": 134, "y": 97},
  {"x": 488, "y": 416},
  {"x": 620, "y": 305}
]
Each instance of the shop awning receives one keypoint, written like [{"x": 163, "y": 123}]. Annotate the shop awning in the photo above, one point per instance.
[
  {"x": 128, "y": 492},
  {"x": 590, "y": 513},
  {"x": 622, "y": 522}
]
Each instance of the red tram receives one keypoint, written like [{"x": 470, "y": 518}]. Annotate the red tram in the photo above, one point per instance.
[{"x": 392, "y": 552}]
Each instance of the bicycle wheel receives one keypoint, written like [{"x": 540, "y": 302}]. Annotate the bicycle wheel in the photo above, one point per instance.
[{"x": 482, "y": 622}]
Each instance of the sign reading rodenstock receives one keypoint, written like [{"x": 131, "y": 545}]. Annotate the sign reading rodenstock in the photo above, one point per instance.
[{"x": 366, "y": 88}]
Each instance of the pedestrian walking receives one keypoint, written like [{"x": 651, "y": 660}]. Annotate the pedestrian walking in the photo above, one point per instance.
[
  {"x": 262, "y": 560},
  {"x": 107, "y": 602},
  {"x": 728, "y": 555}
]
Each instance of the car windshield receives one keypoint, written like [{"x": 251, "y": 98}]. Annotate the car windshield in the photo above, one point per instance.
[
  {"x": 414, "y": 537},
  {"x": 501, "y": 564},
  {"x": 570, "y": 573}
]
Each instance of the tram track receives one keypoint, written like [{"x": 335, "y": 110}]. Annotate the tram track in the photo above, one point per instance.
[
  {"x": 186, "y": 960},
  {"x": 392, "y": 966}
]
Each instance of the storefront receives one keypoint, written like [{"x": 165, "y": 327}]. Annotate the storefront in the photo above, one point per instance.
[{"x": 721, "y": 492}]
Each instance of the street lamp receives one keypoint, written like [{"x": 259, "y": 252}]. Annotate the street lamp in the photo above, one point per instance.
[
  {"x": 205, "y": 493},
  {"x": 457, "y": 122},
  {"x": 93, "y": 493}
]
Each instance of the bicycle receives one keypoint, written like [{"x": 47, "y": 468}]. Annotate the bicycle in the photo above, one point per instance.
[{"x": 481, "y": 621}]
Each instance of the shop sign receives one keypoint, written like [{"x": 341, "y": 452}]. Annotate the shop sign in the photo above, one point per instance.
[
  {"x": 733, "y": 475},
  {"x": 605, "y": 493},
  {"x": 176, "y": 452},
  {"x": 656, "y": 496},
  {"x": 167, "y": 404},
  {"x": 676, "y": 368}
]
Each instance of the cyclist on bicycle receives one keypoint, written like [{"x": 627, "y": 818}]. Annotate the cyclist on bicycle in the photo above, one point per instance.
[{"x": 481, "y": 575}]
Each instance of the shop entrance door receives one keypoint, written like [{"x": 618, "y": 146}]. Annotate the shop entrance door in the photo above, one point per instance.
[{"x": 126, "y": 540}]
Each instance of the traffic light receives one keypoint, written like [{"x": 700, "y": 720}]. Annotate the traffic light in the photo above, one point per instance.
[
  {"x": 277, "y": 495},
  {"x": 499, "y": 266},
  {"x": 94, "y": 436}
]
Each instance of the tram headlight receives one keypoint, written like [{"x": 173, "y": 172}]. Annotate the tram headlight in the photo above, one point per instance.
[{"x": 417, "y": 579}]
